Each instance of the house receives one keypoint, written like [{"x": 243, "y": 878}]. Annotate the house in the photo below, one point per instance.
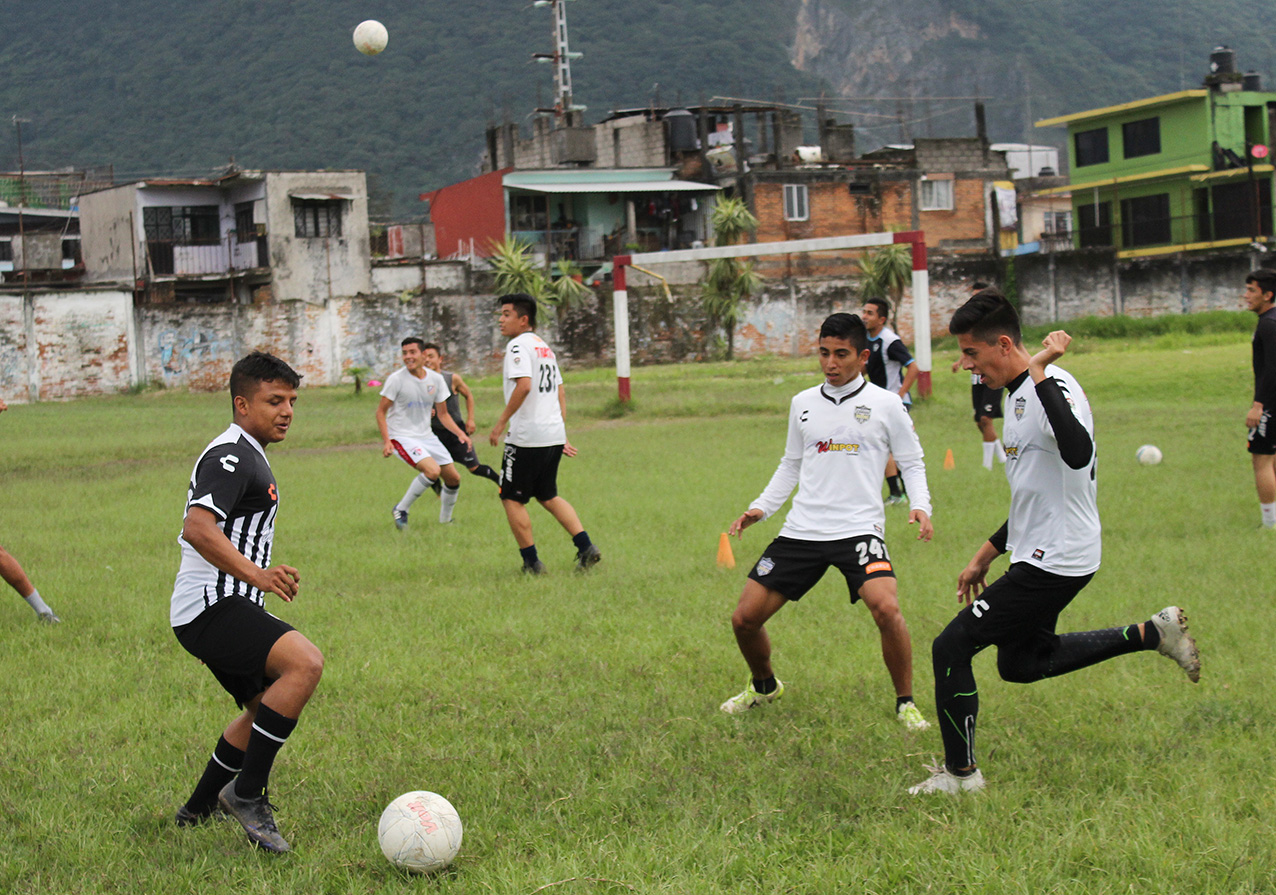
[
  {"x": 243, "y": 236},
  {"x": 40, "y": 223},
  {"x": 1185, "y": 171}
]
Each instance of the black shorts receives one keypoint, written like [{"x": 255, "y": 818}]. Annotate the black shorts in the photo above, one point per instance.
[
  {"x": 233, "y": 637},
  {"x": 986, "y": 401},
  {"x": 465, "y": 456},
  {"x": 1261, "y": 436},
  {"x": 529, "y": 472},
  {"x": 791, "y": 567},
  {"x": 1021, "y": 606}
]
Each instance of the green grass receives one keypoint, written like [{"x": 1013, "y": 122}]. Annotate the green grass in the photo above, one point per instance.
[{"x": 573, "y": 721}]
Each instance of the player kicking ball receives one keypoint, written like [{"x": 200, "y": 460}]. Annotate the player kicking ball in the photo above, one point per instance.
[
  {"x": 1052, "y": 535},
  {"x": 841, "y": 434},
  {"x": 218, "y": 607},
  {"x": 408, "y": 399}
]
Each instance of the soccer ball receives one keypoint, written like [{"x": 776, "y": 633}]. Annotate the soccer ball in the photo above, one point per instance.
[
  {"x": 420, "y": 832},
  {"x": 1148, "y": 455},
  {"x": 370, "y": 37}
]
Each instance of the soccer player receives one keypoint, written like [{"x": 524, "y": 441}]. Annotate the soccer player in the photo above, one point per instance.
[
  {"x": 987, "y": 404},
  {"x": 460, "y": 453},
  {"x": 890, "y": 366},
  {"x": 218, "y": 607},
  {"x": 408, "y": 398},
  {"x": 1052, "y": 535},
  {"x": 535, "y": 411},
  {"x": 840, "y": 434},
  {"x": 1260, "y": 293},
  {"x": 11, "y": 571}
]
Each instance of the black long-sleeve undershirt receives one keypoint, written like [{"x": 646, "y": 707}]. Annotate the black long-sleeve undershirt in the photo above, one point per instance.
[{"x": 1075, "y": 445}]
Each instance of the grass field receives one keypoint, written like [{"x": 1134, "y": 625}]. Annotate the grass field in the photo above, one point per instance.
[{"x": 573, "y": 720}]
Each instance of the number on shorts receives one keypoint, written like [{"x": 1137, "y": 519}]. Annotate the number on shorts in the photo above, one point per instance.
[{"x": 873, "y": 546}]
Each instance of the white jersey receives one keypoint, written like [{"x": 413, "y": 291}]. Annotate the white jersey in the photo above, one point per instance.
[
  {"x": 1054, "y": 517},
  {"x": 838, "y": 444},
  {"x": 414, "y": 401},
  {"x": 538, "y": 422}
]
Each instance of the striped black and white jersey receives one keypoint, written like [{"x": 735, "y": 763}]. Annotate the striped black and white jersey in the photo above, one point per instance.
[{"x": 232, "y": 479}]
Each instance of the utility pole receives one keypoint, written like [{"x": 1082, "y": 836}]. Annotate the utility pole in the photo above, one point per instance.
[
  {"x": 22, "y": 194},
  {"x": 565, "y": 110}
]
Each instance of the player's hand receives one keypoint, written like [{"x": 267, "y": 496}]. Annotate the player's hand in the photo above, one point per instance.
[
  {"x": 1053, "y": 347},
  {"x": 568, "y": 450},
  {"x": 282, "y": 581},
  {"x": 387, "y": 449},
  {"x": 971, "y": 582},
  {"x": 956, "y": 365},
  {"x": 468, "y": 442},
  {"x": 1252, "y": 419},
  {"x": 3, "y": 406},
  {"x": 469, "y": 427},
  {"x": 495, "y": 438},
  {"x": 924, "y": 528},
  {"x": 747, "y": 518}
]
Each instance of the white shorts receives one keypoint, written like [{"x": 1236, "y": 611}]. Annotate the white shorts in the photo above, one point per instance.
[{"x": 414, "y": 450}]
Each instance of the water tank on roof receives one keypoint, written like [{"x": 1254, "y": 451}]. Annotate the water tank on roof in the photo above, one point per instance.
[
  {"x": 1222, "y": 61},
  {"x": 682, "y": 131},
  {"x": 1252, "y": 81}
]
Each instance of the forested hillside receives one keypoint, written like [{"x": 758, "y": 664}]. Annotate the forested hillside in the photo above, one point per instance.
[{"x": 155, "y": 87}]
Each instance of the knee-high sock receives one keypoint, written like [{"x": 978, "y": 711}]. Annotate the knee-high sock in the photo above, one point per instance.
[
  {"x": 270, "y": 732},
  {"x": 449, "y": 496},
  {"x": 419, "y": 486},
  {"x": 227, "y": 761},
  {"x": 956, "y": 696}
]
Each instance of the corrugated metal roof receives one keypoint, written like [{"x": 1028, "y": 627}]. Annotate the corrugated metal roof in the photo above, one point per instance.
[{"x": 617, "y": 186}]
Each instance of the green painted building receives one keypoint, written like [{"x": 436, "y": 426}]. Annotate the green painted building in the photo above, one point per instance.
[{"x": 1187, "y": 171}]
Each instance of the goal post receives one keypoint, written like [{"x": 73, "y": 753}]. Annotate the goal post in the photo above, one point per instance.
[{"x": 920, "y": 284}]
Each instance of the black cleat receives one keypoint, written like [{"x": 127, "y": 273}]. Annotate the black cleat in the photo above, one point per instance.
[
  {"x": 588, "y": 557},
  {"x": 256, "y": 817},
  {"x": 188, "y": 818},
  {"x": 534, "y": 568}
]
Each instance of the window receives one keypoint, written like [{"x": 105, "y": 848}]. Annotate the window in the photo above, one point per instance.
[
  {"x": 1141, "y": 137},
  {"x": 183, "y": 225},
  {"x": 6, "y": 249},
  {"x": 71, "y": 249},
  {"x": 1091, "y": 147},
  {"x": 317, "y": 218},
  {"x": 245, "y": 229},
  {"x": 1145, "y": 221},
  {"x": 1094, "y": 225},
  {"x": 937, "y": 195},
  {"x": 796, "y": 202},
  {"x": 1058, "y": 222}
]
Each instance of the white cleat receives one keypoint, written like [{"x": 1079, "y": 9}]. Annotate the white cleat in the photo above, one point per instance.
[
  {"x": 1176, "y": 642},
  {"x": 943, "y": 780},
  {"x": 750, "y": 698},
  {"x": 910, "y": 716}
]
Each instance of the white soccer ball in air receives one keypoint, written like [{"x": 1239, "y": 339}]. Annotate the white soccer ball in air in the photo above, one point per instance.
[
  {"x": 1148, "y": 455},
  {"x": 370, "y": 37},
  {"x": 420, "y": 831}
]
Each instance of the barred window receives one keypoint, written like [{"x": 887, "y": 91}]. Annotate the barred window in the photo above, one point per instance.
[{"x": 317, "y": 218}]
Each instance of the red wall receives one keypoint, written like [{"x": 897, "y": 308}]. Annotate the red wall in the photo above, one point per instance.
[{"x": 472, "y": 209}]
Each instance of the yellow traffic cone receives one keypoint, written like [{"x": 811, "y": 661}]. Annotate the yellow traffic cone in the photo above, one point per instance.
[
  {"x": 948, "y": 460},
  {"x": 726, "y": 559}
]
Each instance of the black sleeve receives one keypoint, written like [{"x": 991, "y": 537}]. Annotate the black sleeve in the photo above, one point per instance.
[
  {"x": 1075, "y": 445},
  {"x": 1265, "y": 363},
  {"x": 898, "y": 352},
  {"x": 999, "y": 539},
  {"x": 221, "y": 479}
]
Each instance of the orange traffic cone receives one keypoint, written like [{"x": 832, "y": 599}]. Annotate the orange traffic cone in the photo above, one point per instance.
[
  {"x": 726, "y": 559},
  {"x": 948, "y": 460}
]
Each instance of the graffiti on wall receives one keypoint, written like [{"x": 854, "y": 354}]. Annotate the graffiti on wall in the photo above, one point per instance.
[{"x": 180, "y": 353}]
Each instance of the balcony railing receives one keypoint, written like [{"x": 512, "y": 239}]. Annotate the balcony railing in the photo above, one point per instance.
[{"x": 202, "y": 257}]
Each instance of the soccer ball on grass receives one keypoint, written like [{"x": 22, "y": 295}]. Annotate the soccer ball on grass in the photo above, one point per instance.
[
  {"x": 1148, "y": 455},
  {"x": 420, "y": 832}
]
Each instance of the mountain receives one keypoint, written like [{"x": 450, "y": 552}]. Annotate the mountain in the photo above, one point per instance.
[{"x": 154, "y": 87}]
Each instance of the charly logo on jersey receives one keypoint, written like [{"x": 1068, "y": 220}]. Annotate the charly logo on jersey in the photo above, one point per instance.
[
  {"x": 862, "y": 413},
  {"x": 765, "y": 565},
  {"x": 1020, "y": 405}
]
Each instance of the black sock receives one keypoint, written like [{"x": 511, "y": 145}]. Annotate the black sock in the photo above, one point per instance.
[
  {"x": 581, "y": 540},
  {"x": 270, "y": 732},
  {"x": 765, "y": 686},
  {"x": 902, "y": 700},
  {"x": 227, "y": 761},
  {"x": 529, "y": 555},
  {"x": 1151, "y": 635},
  {"x": 896, "y": 484},
  {"x": 486, "y": 472}
]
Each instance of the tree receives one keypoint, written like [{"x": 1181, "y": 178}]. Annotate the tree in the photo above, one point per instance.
[
  {"x": 516, "y": 271},
  {"x": 729, "y": 281},
  {"x": 887, "y": 271}
]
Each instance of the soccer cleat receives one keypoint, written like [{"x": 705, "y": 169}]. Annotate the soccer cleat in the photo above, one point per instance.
[
  {"x": 534, "y": 568},
  {"x": 256, "y": 817},
  {"x": 742, "y": 702},
  {"x": 1176, "y": 642},
  {"x": 400, "y": 518},
  {"x": 910, "y": 716},
  {"x": 48, "y": 618},
  {"x": 588, "y": 557},
  {"x": 943, "y": 780},
  {"x": 188, "y": 818}
]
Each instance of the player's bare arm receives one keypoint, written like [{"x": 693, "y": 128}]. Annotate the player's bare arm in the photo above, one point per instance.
[
  {"x": 386, "y": 448},
  {"x": 1252, "y": 419},
  {"x": 973, "y": 578},
  {"x": 202, "y": 532},
  {"x": 911, "y": 373},
  {"x": 925, "y": 530},
  {"x": 1053, "y": 347},
  {"x": 568, "y": 450},
  {"x": 747, "y": 518},
  {"x": 3, "y": 406},
  {"x": 522, "y": 388},
  {"x": 445, "y": 418},
  {"x": 459, "y": 387}
]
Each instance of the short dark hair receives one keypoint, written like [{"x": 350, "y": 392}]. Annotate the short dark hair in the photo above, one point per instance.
[
  {"x": 985, "y": 316},
  {"x": 883, "y": 306},
  {"x": 428, "y": 345},
  {"x": 979, "y": 285},
  {"x": 413, "y": 340},
  {"x": 845, "y": 326},
  {"x": 251, "y": 371},
  {"x": 1264, "y": 278},
  {"x": 524, "y": 306}
]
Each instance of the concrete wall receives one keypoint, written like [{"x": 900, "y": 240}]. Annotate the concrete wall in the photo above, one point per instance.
[
  {"x": 109, "y": 239},
  {"x": 316, "y": 270}
]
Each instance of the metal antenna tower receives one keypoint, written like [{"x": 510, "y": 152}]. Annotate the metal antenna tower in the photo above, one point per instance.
[{"x": 564, "y": 109}]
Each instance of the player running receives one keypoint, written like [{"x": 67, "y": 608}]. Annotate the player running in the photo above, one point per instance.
[
  {"x": 466, "y": 456},
  {"x": 840, "y": 435},
  {"x": 1052, "y": 535}
]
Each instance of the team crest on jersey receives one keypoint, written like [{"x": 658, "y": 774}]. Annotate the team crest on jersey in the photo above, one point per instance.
[
  {"x": 862, "y": 413},
  {"x": 1020, "y": 405},
  {"x": 765, "y": 565},
  {"x": 1012, "y": 451}
]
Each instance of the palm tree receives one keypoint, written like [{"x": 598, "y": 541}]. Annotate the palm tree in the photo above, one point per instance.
[
  {"x": 730, "y": 281},
  {"x": 887, "y": 271}
]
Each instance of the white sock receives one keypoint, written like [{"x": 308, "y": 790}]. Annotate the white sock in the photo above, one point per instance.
[
  {"x": 419, "y": 486},
  {"x": 1001, "y": 451},
  {"x": 989, "y": 447},
  {"x": 449, "y": 496},
  {"x": 41, "y": 607},
  {"x": 1269, "y": 516}
]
